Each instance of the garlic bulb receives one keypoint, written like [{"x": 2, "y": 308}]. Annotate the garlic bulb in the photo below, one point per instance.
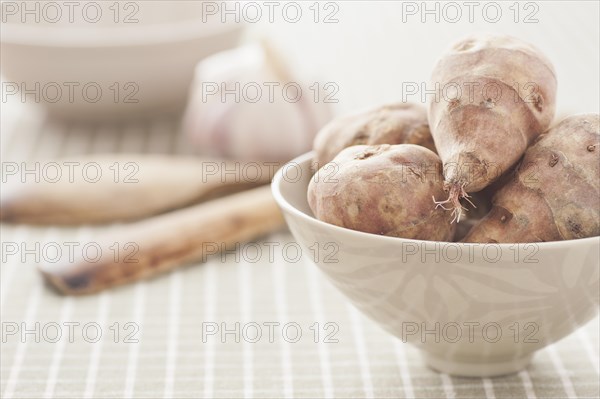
[{"x": 245, "y": 105}]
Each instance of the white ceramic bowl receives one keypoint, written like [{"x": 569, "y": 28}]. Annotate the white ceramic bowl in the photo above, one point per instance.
[
  {"x": 140, "y": 67},
  {"x": 473, "y": 309}
]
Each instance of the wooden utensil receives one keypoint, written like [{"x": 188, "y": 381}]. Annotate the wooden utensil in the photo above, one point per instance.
[
  {"x": 163, "y": 242},
  {"x": 115, "y": 187}
]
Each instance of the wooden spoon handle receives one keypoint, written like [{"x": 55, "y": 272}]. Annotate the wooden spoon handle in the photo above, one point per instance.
[
  {"x": 117, "y": 187},
  {"x": 164, "y": 242}
]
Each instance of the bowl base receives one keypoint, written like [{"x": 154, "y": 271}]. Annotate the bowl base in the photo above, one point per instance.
[{"x": 460, "y": 369}]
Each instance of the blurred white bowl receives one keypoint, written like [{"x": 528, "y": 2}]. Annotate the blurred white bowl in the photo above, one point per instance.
[
  {"x": 473, "y": 309},
  {"x": 140, "y": 67}
]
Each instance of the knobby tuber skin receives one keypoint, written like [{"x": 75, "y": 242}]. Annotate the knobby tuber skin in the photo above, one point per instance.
[
  {"x": 495, "y": 95},
  {"x": 401, "y": 123},
  {"x": 555, "y": 192},
  {"x": 383, "y": 189}
]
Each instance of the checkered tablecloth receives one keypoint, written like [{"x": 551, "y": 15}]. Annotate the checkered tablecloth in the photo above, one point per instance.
[{"x": 175, "y": 335}]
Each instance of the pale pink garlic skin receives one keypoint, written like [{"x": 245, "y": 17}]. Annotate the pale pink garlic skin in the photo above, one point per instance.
[{"x": 261, "y": 128}]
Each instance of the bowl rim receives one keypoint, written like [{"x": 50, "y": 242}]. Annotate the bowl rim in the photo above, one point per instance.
[
  {"x": 307, "y": 157},
  {"x": 105, "y": 37}
]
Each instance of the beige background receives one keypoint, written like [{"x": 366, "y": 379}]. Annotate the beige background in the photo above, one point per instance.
[{"x": 370, "y": 52}]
